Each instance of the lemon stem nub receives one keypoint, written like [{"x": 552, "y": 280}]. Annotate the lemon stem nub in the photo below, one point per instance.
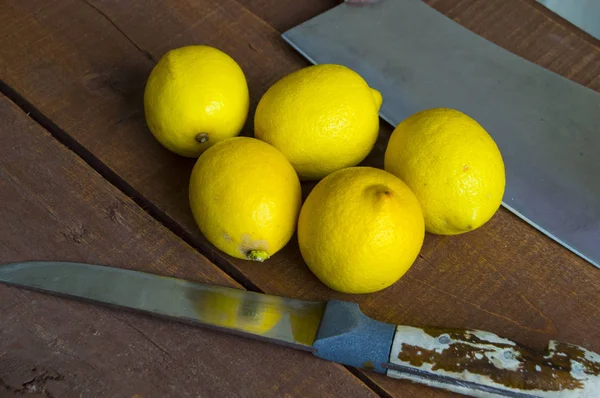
[
  {"x": 257, "y": 255},
  {"x": 202, "y": 138}
]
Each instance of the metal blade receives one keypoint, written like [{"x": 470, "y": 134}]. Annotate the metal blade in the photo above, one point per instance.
[
  {"x": 545, "y": 125},
  {"x": 280, "y": 320}
]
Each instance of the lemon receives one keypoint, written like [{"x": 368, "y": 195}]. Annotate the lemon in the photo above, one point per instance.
[
  {"x": 322, "y": 118},
  {"x": 453, "y": 166},
  {"x": 195, "y": 97},
  {"x": 360, "y": 230},
  {"x": 245, "y": 197},
  {"x": 233, "y": 311}
]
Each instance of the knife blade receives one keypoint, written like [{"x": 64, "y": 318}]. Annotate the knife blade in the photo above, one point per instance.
[{"x": 466, "y": 361}]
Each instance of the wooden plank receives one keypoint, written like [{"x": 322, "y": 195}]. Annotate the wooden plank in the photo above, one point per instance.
[
  {"x": 285, "y": 14},
  {"x": 88, "y": 78},
  {"x": 56, "y": 207}
]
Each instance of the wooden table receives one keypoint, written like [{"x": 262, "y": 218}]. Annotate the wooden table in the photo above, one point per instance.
[{"x": 82, "y": 179}]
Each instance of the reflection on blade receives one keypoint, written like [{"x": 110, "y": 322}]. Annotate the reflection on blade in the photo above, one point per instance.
[{"x": 287, "y": 321}]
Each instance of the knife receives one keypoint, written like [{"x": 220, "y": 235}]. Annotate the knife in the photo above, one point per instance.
[{"x": 470, "y": 362}]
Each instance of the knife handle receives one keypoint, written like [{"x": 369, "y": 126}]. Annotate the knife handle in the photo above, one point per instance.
[
  {"x": 469, "y": 362},
  {"x": 478, "y": 363}
]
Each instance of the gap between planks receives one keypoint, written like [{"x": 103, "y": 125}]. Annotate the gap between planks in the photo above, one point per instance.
[
  {"x": 113, "y": 178},
  {"x": 370, "y": 383}
]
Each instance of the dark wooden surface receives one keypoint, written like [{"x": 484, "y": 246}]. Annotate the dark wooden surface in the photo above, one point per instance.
[
  {"x": 81, "y": 67},
  {"x": 56, "y": 207}
]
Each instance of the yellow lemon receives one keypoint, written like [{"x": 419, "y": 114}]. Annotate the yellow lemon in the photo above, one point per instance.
[
  {"x": 234, "y": 311},
  {"x": 322, "y": 118},
  {"x": 245, "y": 197},
  {"x": 195, "y": 97},
  {"x": 453, "y": 166},
  {"x": 360, "y": 230}
]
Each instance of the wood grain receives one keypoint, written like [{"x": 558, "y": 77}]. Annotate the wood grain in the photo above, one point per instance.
[
  {"x": 285, "y": 14},
  {"x": 84, "y": 67},
  {"x": 56, "y": 207}
]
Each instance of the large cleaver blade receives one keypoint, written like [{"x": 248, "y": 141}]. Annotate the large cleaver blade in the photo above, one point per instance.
[{"x": 546, "y": 126}]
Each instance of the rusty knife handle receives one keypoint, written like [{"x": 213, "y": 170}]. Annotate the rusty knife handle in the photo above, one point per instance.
[{"x": 482, "y": 364}]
